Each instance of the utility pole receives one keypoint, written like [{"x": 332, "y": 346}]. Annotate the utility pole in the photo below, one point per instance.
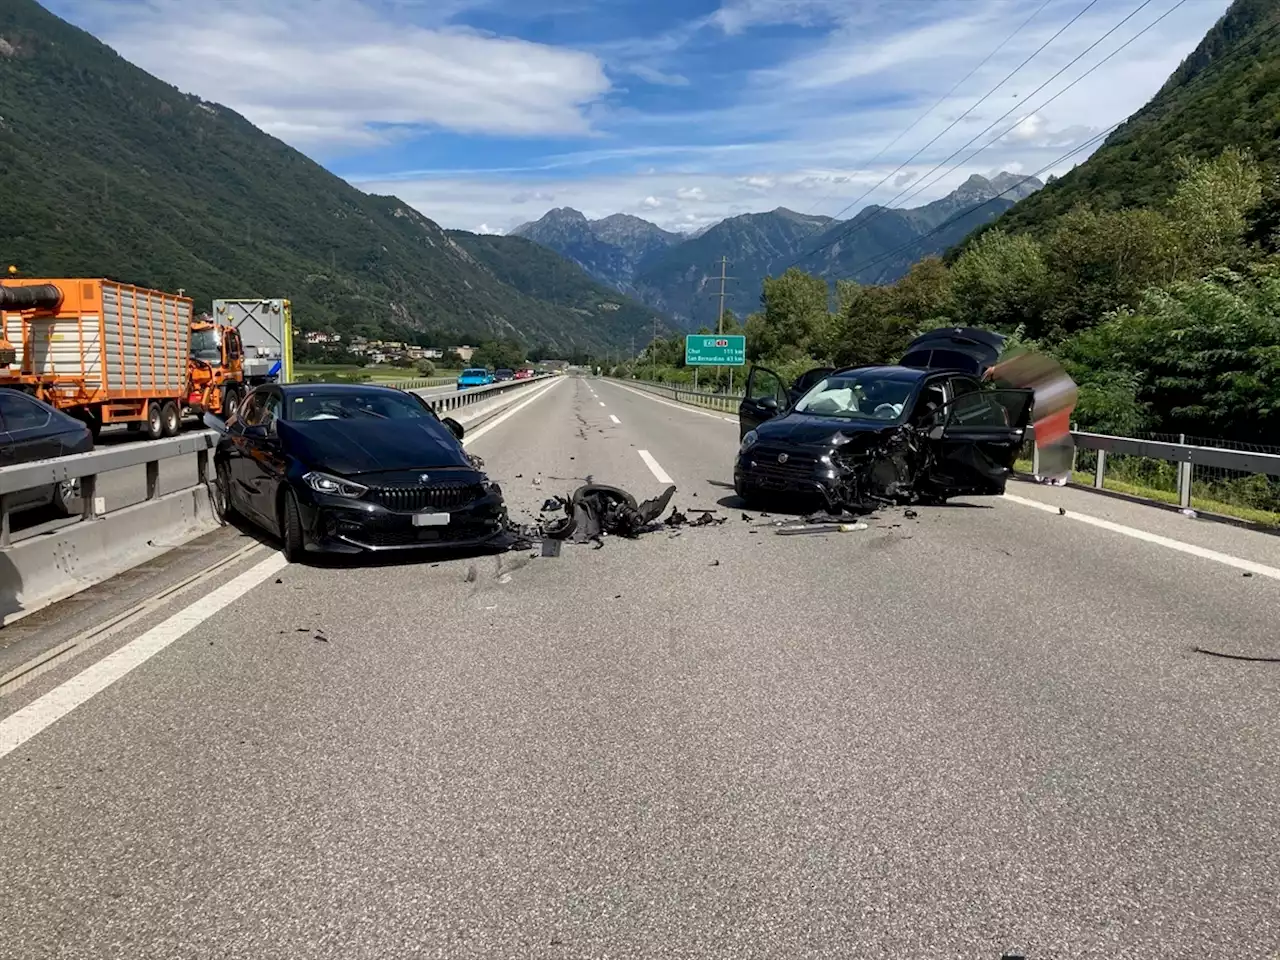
[
  {"x": 724, "y": 265},
  {"x": 653, "y": 349}
]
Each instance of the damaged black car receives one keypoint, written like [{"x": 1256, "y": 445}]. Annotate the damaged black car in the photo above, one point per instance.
[
  {"x": 921, "y": 431},
  {"x": 350, "y": 468}
]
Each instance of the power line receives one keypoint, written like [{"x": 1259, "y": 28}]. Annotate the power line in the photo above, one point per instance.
[
  {"x": 941, "y": 100},
  {"x": 887, "y": 208},
  {"x": 890, "y": 254},
  {"x": 1241, "y": 51},
  {"x": 980, "y": 101},
  {"x": 924, "y": 186}
]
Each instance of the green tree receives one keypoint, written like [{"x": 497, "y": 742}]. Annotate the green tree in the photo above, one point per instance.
[
  {"x": 1001, "y": 281},
  {"x": 1211, "y": 209},
  {"x": 426, "y": 368},
  {"x": 795, "y": 318}
]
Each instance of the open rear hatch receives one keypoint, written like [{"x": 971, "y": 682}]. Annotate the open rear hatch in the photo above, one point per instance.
[{"x": 967, "y": 349}]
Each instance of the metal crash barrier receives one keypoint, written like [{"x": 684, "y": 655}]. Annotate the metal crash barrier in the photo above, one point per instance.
[
  {"x": 1094, "y": 451},
  {"x": 44, "y": 565}
]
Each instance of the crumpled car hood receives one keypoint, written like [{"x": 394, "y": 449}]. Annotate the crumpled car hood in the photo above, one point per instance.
[
  {"x": 816, "y": 431},
  {"x": 349, "y": 447}
]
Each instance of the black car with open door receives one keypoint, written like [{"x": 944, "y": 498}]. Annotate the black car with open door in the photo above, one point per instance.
[
  {"x": 350, "y": 468},
  {"x": 924, "y": 430}
]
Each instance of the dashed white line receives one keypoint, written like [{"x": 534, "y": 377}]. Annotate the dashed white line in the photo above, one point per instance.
[
  {"x": 602, "y": 403},
  {"x": 481, "y": 431},
  {"x": 1189, "y": 548},
  {"x": 19, "y": 727},
  {"x": 654, "y": 467},
  {"x": 614, "y": 419}
]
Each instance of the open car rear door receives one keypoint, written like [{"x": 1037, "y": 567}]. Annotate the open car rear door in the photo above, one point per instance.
[
  {"x": 976, "y": 440},
  {"x": 765, "y": 398}
]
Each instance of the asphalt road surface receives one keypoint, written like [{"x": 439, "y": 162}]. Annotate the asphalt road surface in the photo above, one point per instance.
[
  {"x": 980, "y": 730},
  {"x": 124, "y": 488}
]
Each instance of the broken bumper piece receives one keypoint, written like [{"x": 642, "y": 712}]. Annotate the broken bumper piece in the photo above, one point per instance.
[{"x": 596, "y": 509}]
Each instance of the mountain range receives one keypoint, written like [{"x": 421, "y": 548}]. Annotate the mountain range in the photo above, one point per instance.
[
  {"x": 107, "y": 171},
  {"x": 679, "y": 275}
]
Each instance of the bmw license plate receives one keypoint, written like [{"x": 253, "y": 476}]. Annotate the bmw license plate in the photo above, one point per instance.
[{"x": 431, "y": 519}]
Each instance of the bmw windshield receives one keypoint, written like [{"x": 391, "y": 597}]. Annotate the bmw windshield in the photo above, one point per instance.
[
  {"x": 348, "y": 405},
  {"x": 855, "y": 396}
]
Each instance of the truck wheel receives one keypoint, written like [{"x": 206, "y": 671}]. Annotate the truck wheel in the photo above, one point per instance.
[
  {"x": 230, "y": 401},
  {"x": 170, "y": 418},
  {"x": 155, "y": 421}
]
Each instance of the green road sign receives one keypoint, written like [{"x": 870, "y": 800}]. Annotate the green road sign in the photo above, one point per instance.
[{"x": 713, "y": 350}]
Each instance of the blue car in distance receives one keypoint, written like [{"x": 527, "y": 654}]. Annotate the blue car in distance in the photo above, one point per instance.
[{"x": 474, "y": 377}]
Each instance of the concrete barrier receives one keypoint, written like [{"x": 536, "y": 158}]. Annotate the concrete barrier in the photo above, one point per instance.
[{"x": 50, "y": 566}]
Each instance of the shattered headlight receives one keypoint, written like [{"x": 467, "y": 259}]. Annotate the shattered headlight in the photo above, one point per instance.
[
  {"x": 749, "y": 441},
  {"x": 333, "y": 486}
]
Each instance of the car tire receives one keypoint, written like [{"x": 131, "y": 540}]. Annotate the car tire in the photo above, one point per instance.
[
  {"x": 745, "y": 494},
  {"x": 291, "y": 532},
  {"x": 170, "y": 418},
  {"x": 223, "y": 507},
  {"x": 66, "y": 498},
  {"x": 155, "y": 421}
]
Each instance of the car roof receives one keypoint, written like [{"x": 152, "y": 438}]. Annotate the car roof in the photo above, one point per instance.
[{"x": 885, "y": 372}]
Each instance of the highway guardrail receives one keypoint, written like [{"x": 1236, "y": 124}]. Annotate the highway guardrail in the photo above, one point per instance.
[
  {"x": 45, "y": 566},
  {"x": 1186, "y": 456}
]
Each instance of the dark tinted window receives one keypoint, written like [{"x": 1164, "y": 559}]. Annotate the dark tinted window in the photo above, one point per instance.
[{"x": 21, "y": 413}]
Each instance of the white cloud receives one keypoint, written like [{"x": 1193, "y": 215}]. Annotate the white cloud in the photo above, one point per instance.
[
  {"x": 691, "y": 193},
  {"x": 486, "y": 229},
  {"x": 651, "y": 203},
  {"x": 318, "y": 73}
]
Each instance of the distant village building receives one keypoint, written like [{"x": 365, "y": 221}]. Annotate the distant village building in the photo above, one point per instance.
[{"x": 464, "y": 353}]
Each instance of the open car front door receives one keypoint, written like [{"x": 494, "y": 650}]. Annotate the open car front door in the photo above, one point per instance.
[
  {"x": 976, "y": 439},
  {"x": 765, "y": 398}
]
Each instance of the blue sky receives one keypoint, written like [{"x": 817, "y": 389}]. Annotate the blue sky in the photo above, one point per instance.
[{"x": 486, "y": 113}]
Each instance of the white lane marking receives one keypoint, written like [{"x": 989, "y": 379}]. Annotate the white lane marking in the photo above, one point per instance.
[
  {"x": 59, "y": 655},
  {"x": 1189, "y": 548},
  {"x": 602, "y": 403},
  {"x": 678, "y": 406},
  {"x": 21, "y": 726},
  {"x": 614, "y": 419},
  {"x": 654, "y": 467},
  {"x": 502, "y": 418}
]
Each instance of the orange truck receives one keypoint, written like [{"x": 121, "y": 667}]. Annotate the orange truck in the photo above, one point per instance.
[{"x": 107, "y": 352}]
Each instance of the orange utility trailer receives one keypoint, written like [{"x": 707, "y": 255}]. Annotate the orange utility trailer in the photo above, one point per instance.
[{"x": 104, "y": 352}]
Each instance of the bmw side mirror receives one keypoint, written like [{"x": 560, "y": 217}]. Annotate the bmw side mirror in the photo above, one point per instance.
[
  {"x": 770, "y": 404},
  {"x": 454, "y": 427}
]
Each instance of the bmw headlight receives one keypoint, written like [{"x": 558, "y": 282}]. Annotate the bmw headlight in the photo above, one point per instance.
[
  {"x": 749, "y": 441},
  {"x": 333, "y": 486}
]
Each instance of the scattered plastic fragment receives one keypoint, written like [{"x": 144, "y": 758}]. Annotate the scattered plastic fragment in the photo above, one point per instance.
[
  {"x": 822, "y": 528},
  {"x": 910, "y": 514},
  {"x": 551, "y": 548},
  {"x": 1188, "y": 513}
]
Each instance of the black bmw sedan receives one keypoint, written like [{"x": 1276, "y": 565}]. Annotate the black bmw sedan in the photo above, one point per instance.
[{"x": 349, "y": 468}]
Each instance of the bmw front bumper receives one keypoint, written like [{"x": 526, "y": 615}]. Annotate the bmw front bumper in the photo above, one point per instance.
[{"x": 342, "y": 525}]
